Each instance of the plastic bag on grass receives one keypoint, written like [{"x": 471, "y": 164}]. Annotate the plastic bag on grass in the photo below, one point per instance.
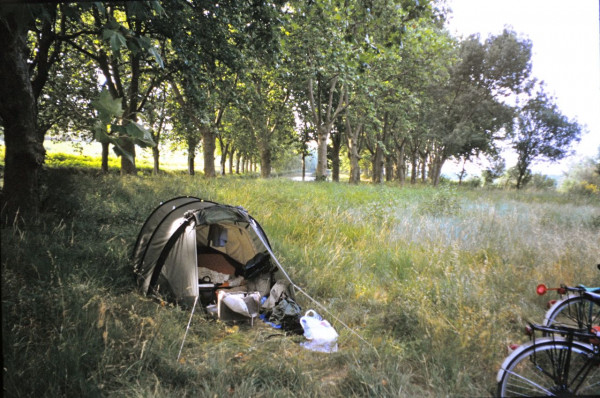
[{"x": 321, "y": 336}]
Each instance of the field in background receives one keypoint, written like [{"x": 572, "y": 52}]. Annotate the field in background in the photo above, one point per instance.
[
  {"x": 437, "y": 281},
  {"x": 169, "y": 161}
]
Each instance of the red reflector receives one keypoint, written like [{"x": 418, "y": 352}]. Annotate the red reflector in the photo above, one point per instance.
[
  {"x": 551, "y": 303},
  {"x": 541, "y": 289}
]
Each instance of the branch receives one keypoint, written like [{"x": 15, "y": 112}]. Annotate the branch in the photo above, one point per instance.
[{"x": 312, "y": 103}]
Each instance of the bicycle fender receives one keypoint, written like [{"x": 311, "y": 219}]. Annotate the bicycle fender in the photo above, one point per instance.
[{"x": 526, "y": 346}]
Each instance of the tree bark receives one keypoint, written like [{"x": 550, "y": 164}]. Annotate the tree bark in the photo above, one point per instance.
[
  {"x": 265, "y": 161},
  {"x": 208, "y": 151},
  {"x": 400, "y": 165},
  {"x": 104, "y": 164},
  {"x": 25, "y": 151},
  {"x": 127, "y": 166},
  {"x": 389, "y": 168},
  {"x": 336, "y": 141},
  {"x": 413, "y": 167},
  {"x": 353, "y": 151},
  {"x": 231, "y": 155},
  {"x": 156, "y": 158},
  {"x": 191, "y": 162},
  {"x": 323, "y": 135},
  {"x": 224, "y": 153}
]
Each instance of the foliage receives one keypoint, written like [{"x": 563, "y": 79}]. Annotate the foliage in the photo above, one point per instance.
[
  {"x": 583, "y": 178},
  {"x": 442, "y": 202},
  {"x": 381, "y": 82},
  {"x": 540, "y": 181},
  {"x": 543, "y": 134}
]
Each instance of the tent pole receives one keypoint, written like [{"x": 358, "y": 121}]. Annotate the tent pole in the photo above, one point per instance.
[{"x": 187, "y": 328}]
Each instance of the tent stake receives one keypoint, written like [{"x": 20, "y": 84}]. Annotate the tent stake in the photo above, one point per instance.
[{"x": 187, "y": 328}]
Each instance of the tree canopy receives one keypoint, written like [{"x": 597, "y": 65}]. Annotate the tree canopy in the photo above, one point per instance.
[{"x": 381, "y": 82}]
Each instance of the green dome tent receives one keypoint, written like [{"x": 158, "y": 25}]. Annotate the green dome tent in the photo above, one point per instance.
[{"x": 187, "y": 241}]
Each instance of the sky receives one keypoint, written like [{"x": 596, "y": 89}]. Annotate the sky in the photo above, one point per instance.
[{"x": 565, "y": 38}]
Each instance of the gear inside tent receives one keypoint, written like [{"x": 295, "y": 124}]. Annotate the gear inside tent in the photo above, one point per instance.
[{"x": 191, "y": 250}]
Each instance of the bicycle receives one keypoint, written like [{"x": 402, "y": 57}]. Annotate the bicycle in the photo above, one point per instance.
[
  {"x": 575, "y": 310},
  {"x": 565, "y": 362}
]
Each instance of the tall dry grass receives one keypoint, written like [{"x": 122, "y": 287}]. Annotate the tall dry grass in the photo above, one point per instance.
[{"x": 437, "y": 282}]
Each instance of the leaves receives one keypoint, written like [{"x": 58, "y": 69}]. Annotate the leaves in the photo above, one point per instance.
[
  {"x": 113, "y": 128},
  {"x": 107, "y": 106},
  {"x": 115, "y": 39}
]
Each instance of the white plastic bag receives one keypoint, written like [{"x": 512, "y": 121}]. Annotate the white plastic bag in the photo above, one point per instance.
[{"x": 321, "y": 336}]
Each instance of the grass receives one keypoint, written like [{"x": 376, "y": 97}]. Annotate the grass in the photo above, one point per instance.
[{"x": 437, "y": 281}]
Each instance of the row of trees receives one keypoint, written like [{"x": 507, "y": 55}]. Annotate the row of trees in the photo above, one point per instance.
[{"x": 380, "y": 81}]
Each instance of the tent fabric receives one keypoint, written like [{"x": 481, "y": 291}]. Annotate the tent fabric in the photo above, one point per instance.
[
  {"x": 154, "y": 219},
  {"x": 177, "y": 235}
]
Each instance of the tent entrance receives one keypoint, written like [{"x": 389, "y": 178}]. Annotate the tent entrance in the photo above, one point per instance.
[{"x": 229, "y": 259}]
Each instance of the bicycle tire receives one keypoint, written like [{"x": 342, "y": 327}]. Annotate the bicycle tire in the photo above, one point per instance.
[
  {"x": 576, "y": 312},
  {"x": 537, "y": 369}
]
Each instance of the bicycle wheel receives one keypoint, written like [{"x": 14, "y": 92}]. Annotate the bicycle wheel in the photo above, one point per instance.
[
  {"x": 546, "y": 369},
  {"x": 576, "y": 312}
]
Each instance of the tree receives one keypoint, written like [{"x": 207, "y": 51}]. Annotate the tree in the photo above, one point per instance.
[
  {"x": 267, "y": 111},
  {"x": 21, "y": 83},
  {"x": 469, "y": 111},
  {"x": 114, "y": 37},
  {"x": 209, "y": 44},
  {"x": 543, "y": 134},
  {"x": 495, "y": 170},
  {"x": 318, "y": 51}
]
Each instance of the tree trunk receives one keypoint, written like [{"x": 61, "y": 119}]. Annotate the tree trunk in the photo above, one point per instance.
[
  {"x": 191, "y": 162},
  {"x": 413, "y": 167},
  {"x": 462, "y": 173},
  {"x": 378, "y": 165},
  {"x": 323, "y": 135},
  {"x": 127, "y": 166},
  {"x": 353, "y": 151},
  {"x": 156, "y": 158},
  {"x": 191, "y": 156},
  {"x": 265, "y": 161},
  {"x": 436, "y": 169},
  {"x": 400, "y": 165},
  {"x": 25, "y": 151},
  {"x": 231, "y": 155},
  {"x": 335, "y": 156},
  {"x": 224, "y": 153},
  {"x": 104, "y": 164},
  {"x": 303, "y": 166},
  {"x": 208, "y": 139},
  {"x": 389, "y": 168}
]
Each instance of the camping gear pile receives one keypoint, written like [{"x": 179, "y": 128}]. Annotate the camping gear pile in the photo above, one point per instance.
[{"x": 193, "y": 250}]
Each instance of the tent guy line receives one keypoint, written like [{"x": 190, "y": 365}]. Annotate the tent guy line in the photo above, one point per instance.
[{"x": 298, "y": 288}]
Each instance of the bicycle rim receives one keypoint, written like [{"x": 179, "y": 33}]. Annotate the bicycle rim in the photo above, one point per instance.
[
  {"x": 546, "y": 370},
  {"x": 575, "y": 312}
]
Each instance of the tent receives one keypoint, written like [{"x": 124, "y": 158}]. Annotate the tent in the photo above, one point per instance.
[{"x": 188, "y": 244}]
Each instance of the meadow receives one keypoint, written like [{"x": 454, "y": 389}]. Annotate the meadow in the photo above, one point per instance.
[{"x": 437, "y": 281}]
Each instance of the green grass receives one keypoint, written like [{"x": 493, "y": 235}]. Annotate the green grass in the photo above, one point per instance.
[{"x": 438, "y": 281}]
